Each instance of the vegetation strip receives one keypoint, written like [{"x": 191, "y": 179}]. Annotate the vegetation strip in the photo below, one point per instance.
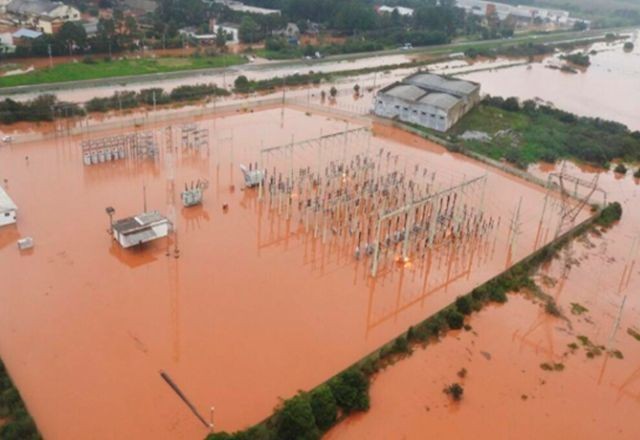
[
  {"x": 523, "y": 133},
  {"x": 308, "y": 414},
  {"x": 15, "y": 421}
]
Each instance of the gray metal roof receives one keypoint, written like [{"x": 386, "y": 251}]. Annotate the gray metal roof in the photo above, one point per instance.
[
  {"x": 6, "y": 204},
  {"x": 31, "y": 7},
  {"x": 440, "y": 100},
  {"x": 26, "y": 33},
  {"x": 407, "y": 92},
  {"x": 137, "y": 223},
  {"x": 431, "y": 81}
]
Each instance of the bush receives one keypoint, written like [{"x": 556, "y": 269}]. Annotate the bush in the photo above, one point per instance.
[
  {"x": 609, "y": 215},
  {"x": 498, "y": 295},
  {"x": 295, "y": 420},
  {"x": 455, "y": 319},
  {"x": 324, "y": 407},
  {"x": 637, "y": 174},
  {"x": 351, "y": 391},
  {"x": 401, "y": 345},
  {"x": 620, "y": 169},
  {"x": 455, "y": 390},
  {"x": 242, "y": 84},
  {"x": 464, "y": 305}
]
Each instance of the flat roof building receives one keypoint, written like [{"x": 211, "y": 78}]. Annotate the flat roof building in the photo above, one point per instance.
[
  {"x": 428, "y": 100},
  {"x": 142, "y": 228},
  {"x": 8, "y": 209}
]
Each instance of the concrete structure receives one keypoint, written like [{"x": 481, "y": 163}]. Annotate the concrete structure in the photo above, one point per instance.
[
  {"x": 142, "y": 228},
  {"x": 6, "y": 43},
  {"x": 241, "y": 7},
  {"x": 43, "y": 15},
  {"x": 428, "y": 100},
  {"x": 521, "y": 13},
  {"x": 8, "y": 209},
  {"x": 405, "y": 12}
]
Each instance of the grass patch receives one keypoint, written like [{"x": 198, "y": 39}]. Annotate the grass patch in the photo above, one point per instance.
[
  {"x": 115, "y": 68},
  {"x": 526, "y": 133}
]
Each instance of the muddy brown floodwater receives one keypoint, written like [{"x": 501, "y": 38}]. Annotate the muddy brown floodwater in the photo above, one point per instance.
[
  {"x": 506, "y": 393},
  {"x": 253, "y": 309},
  {"x": 608, "y": 89}
]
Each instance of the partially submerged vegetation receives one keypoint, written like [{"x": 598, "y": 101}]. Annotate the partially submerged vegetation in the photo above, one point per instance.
[
  {"x": 47, "y": 107},
  {"x": 633, "y": 333},
  {"x": 578, "y": 58},
  {"x": 528, "y": 132},
  {"x": 299, "y": 417},
  {"x": 15, "y": 421}
]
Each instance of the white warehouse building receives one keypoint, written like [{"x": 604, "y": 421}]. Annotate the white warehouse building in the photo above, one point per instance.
[
  {"x": 428, "y": 100},
  {"x": 8, "y": 209}
]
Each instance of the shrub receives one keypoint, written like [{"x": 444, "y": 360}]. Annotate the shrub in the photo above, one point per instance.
[
  {"x": 333, "y": 92},
  {"x": 351, "y": 390},
  {"x": 324, "y": 407},
  {"x": 464, "y": 305},
  {"x": 455, "y": 319},
  {"x": 242, "y": 84},
  {"x": 637, "y": 174},
  {"x": 612, "y": 213},
  {"x": 498, "y": 295},
  {"x": 400, "y": 345},
  {"x": 295, "y": 420},
  {"x": 455, "y": 391},
  {"x": 620, "y": 169}
]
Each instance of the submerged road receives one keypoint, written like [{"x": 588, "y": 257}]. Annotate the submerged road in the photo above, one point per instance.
[{"x": 288, "y": 67}]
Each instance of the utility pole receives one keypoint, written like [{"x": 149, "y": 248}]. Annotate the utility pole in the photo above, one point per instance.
[{"x": 50, "y": 56}]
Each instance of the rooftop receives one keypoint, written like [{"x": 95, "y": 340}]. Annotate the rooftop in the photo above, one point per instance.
[
  {"x": 452, "y": 86},
  {"x": 406, "y": 91},
  {"x": 440, "y": 100},
  {"x": 31, "y": 7},
  {"x": 137, "y": 223},
  {"x": 6, "y": 204},
  {"x": 26, "y": 33}
]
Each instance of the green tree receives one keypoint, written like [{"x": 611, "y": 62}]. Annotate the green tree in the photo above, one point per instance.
[
  {"x": 351, "y": 390},
  {"x": 455, "y": 319},
  {"x": 463, "y": 304},
  {"x": 71, "y": 35},
  {"x": 295, "y": 420},
  {"x": 325, "y": 409},
  {"x": 221, "y": 38},
  {"x": 242, "y": 84},
  {"x": 249, "y": 31}
]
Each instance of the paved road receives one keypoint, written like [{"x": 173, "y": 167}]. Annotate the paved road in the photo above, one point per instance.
[{"x": 291, "y": 66}]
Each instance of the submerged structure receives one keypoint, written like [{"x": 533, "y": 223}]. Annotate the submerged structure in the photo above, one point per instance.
[
  {"x": 192, "y": 196},
  {"x": 8, "y": 209},
  {"x": 142, "y": 228},
  {"x": 428, "y": 100}
]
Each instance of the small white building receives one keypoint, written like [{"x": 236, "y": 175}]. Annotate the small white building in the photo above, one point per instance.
[
  {"x": 142, "y": 228},
  {"x": 44, "y": 15},
  {"x": 8, "y": 209},
  {"x": 403, "y": 11}
]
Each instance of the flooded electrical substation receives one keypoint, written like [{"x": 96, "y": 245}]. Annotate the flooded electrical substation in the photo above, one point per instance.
[{"x": 260, "y": 291}]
